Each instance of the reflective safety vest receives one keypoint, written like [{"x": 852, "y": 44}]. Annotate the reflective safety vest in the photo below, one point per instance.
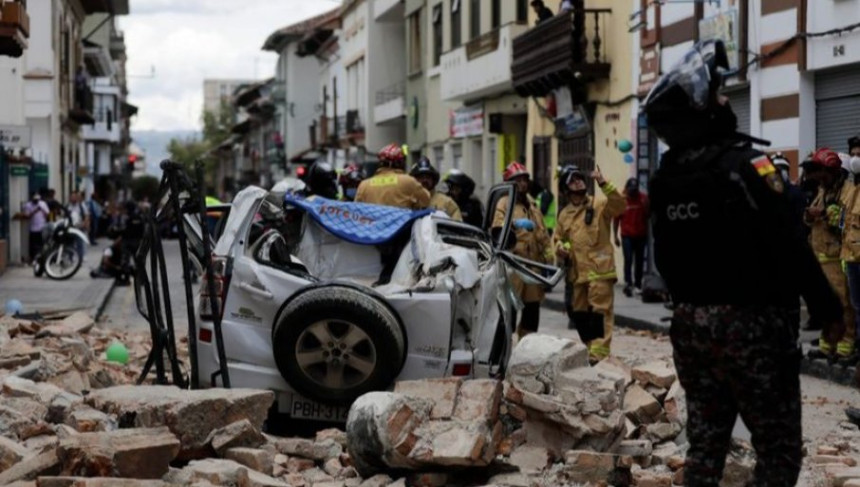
[{"x": 551, "y": 217}]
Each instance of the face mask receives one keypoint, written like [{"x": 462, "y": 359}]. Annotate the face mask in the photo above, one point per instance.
[
  {"x": 350, "y": 193},
  {"x": 855, "y": 165}
]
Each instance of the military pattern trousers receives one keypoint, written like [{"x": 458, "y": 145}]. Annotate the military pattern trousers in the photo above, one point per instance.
[{"x": 739, "y": 360}]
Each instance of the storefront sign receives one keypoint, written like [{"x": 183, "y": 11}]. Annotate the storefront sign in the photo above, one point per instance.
[
  {"x": 507, "y": 150},
  {"x": 723, "y": 26},
  {"x": 19, "y": 170},
  {"x": 467, "y": 122},
  {"x": 15, "y": 136}
]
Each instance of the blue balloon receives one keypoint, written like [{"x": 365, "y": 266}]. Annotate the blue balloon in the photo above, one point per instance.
[
  {"x": 13, "y": 307},
  {"x": 628, "y": 158}
]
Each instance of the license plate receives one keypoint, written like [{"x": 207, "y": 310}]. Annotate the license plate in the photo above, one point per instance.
[{"x": 301, "y": 408}]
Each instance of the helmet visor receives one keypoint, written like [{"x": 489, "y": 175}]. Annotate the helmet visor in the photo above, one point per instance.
[{"x": 691, "y": 74}]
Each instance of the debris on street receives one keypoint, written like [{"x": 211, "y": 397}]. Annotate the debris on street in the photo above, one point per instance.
[{"x": 71, "y": 417}]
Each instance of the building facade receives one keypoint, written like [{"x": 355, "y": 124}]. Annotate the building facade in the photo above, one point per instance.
[{"x": 220, "y": 91}]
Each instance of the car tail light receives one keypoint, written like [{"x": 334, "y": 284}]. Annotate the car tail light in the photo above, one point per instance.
[
  {"x": 461, "y": 370},
  {"x": 220, "y": 281},
  {"x": 205, "y": 335}
]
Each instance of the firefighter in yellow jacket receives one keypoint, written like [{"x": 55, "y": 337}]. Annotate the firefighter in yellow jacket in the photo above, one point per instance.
[
  {"x": 533, "y": 243},
  {"x": 391, "y": 186},
  {"x": 424, "y": 172},
  {"x": 583, "y": 238},
  {"x": 824, "y": 217},
  {"x": 851, "y": 241}
]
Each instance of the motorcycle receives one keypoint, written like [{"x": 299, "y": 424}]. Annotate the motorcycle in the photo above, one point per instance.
[{"x": 59, "y": 258}]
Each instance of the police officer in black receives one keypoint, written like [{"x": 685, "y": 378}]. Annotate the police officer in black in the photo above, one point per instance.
[{"x": 723, "y": 232}]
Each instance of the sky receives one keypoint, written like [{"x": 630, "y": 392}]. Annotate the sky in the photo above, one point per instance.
[{"x": 186, "y": 41}]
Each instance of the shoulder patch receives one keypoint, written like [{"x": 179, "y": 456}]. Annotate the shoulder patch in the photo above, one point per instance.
[{"x": 763, "y": 166}]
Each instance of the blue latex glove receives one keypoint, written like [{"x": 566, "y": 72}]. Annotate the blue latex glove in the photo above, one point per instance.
[{"x": 524, "y": 224}]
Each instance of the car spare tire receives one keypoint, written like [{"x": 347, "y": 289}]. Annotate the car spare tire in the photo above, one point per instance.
[{"x": 333, "y": 344}]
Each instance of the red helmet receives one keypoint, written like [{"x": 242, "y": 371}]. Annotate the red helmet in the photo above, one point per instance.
[
  {"x": 825, "y": 158},
  {"x": 392, "y": 156},
  {"x": 515, "y": 170}
]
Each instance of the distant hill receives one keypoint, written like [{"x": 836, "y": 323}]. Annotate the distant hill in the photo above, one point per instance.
[{"x": 154, "y": 143}]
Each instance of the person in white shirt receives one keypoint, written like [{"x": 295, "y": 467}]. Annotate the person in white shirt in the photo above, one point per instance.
[
  {"x": 36, "y": 211},
  {"x": 80, "y": 217}
]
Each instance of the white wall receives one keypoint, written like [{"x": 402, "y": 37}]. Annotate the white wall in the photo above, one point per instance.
[
  {"x": 302, "y": 95},
  {"x": 825, "y": 52},
  {"x": 385, "y": 66}
]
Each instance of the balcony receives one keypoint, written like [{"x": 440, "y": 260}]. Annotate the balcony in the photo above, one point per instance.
[
  {"x": 390, "y": 104},
  {"x": 117, "y": 45},
  {"x": 14, "y": 28},
  {"x": 105, "y": 129},
  {"x": 481, "y": 67},
  {"x": 82, "y": 110},
  {"x": 564, "y": 50}
]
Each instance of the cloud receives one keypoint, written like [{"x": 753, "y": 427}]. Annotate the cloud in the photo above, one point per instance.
[{"x": 189, "y": 40}]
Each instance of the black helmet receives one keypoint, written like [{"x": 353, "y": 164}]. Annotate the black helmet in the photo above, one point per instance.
[
  {"x": 424, "y": 166},
  {"x": 322, "y": 180},
  {"x": 462, "y": 180},
  {"x": 684, "y": 108},
  {"x": 853, "y": 142}
]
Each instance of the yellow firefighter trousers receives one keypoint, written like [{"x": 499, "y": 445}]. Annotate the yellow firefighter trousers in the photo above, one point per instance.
[
  {"x": 597, "y": 296},
  {"x": 839, "y": 282}
]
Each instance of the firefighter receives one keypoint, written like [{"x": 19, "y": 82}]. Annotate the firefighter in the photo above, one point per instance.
[
  {"x": 824, "y": 217},
  {"x": 349, "y": 180},
  {"x": 321, "y": 180},
  {"x": 428, "y": 176},
  {"x": 391, "y": 186},
  {"x": 851, "y": 242},
  {"x": 584, "y": 236},
  {"x": 532, "y": 243}
]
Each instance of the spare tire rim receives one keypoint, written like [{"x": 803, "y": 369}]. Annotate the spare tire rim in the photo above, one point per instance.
[{"x": 336, "y": 354}]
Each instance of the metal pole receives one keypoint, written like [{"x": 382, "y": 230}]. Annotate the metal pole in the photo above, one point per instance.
[
  {"x": 214, "y": 299},
  {"x": 186, "y": 268}
]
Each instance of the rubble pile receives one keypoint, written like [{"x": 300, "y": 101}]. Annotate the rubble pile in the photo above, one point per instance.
[
  {"x": 834, "y": 462},
  {"x": 69, "y": 418},
  {"x": 554, "y": 421}
]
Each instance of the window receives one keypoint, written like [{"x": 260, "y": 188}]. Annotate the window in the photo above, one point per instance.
[
  {"x": 497, "y": 13},
  {"x": 522, "y": 11},
  {"x": 415, "y": 64},
  {"x": 437, "y": 34},
  {"x": 474, "y": 18},
  {"x": 456, "y": 24}
]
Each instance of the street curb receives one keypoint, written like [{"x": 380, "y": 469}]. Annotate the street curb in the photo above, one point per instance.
[
  {"x": 822, "y": 370},
  {"x": 103, "y": 300},
  {"x": 622, "y": 321}
]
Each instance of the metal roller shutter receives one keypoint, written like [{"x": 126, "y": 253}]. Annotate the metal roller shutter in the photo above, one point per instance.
[
  {"x": 740, "y": 103},
  {"x": 837, "y": 110}
]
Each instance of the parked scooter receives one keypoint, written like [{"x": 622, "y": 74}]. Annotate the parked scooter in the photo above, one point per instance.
[{"x": 59, "y": 258}]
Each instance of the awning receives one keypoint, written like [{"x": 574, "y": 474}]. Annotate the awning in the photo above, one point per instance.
[
  {"x": 129, "y": 110},
  {"x": 242, "y": 127}
]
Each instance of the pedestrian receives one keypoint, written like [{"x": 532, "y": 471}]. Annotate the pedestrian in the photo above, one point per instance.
[
  {"x": 583, "y": 236},
  {"x": 37, "y": 212},
  {"x": 851, "y": 243},
  {"x": 543, "y": 12},
  {"x": 391, "y": 186},
  {"x": 724, "y": 243},
  {"x": 532, "y": 242},
  {"x": 80, "y": 219},
  {"x": 56, "y": 209},
  {"x": 95, "y": 210},
  {"x": 461, "y": 189},
  {"x": 424, "y": 172},
  {"x": 824, "y": 218},
  {"x": 633, "y": 224}
]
